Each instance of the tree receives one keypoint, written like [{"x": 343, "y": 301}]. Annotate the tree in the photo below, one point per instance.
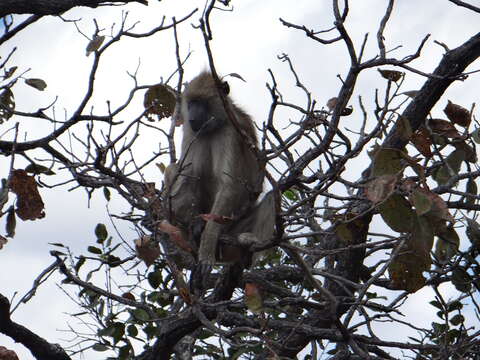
[{"x": 350, "y": 247}]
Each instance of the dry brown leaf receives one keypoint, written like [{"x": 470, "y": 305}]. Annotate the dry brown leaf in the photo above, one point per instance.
[
  {"x": 444, "y": 128},
  {"x": 175, "y": 235},
  {"x": 380, "y": 188},
  {"x": 331, "y": 103},
  {"x": 185, "y": 294},
  {"x": 457, "y": 114},
  {"x": 6, "y": 354},
  {"x": 94, "y": 44},
  {"x": 411, "y": 93},
  {"x": 29, "y": 202},
  {"x": 160, "y": 100},
  {"x": 147, "y": 249},
  {"x": 128, "y": 296},
  {"x": 392, "y": 75},
  {"x": 422, "y": 142}
]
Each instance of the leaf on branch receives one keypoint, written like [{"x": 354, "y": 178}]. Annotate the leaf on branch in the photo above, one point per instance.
[
  {"x": 450, "y": 168},
  {"x": 461, "y": 280},
  {"x": 391, "y": 75},
  {"x": 235, "y": 75},
  {"x": 331, "y": 103},
  {"x": 7, "y": 105},
  {"x": 470, "y": 152},
  {"x": 38, "y": 84},
  {"x": 101, "y": 233},
  {"x": 147, "y": 249},
  {"x": 457, "y": 114},
  {"x": 387, "y": 162},
  {"x": 6, "y": 354},
  {"x": 175, "y": 235},
  {"x": 29, "y": 202},
  {"x": 380, "y": 188},
  {"x": 128, "y": 296},
  {"x": 411, "y": 93},
  {"x": 427, "y": 202},
  {"x": 406, "y": 270},
  {"x": 422, "y": 202},
  {"x": 447, "y": 244},
  {"x": 473, "y": 232},
  {"x": 37, "y": 169},
  {"x": 94, "y": 44},
  {"x": 3, "y": 241},
  {"x": 253, "y": 298},
  {"x": 444, "y": 128},
  {"x": 397, "y": 213},
  {"x": 422, "y": 142},
  {"x": 160, "y": 100},
  {"x": 11, "y": 222},
  {"x": 161, "y": 166}
]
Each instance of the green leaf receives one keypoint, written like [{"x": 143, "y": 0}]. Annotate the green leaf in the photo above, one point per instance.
[
  {"x": 397, "y": 213},
  {"x": 447, "y": 244},
  {"x": 94, "y": 250},
  {"x": 461, "y": 280},
  {"x": 437, "y": 304},
  {"x": 106, "y": 193},
  {"x": 80, "y": 262},
  {"x": 99, "y": 347},
  {"x": 422, "y": 202},
  {"x": 387, "y": 162},
  {"x": 141, "y": 315},
  {"x": 406, "y": 270},
  {"x": 453, "y": 163},
  {"x": 101, "y": 233},
  {"x": 457, "y": 320},
  {"x": 38, "y": 84},
  {"x": 290, "y": 195},
  {"x": 132, "y": 330},
  {"x": 155, "y": 278}
]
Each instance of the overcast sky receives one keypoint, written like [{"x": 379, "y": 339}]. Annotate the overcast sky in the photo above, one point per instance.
[{"x": 246, "y": 41}]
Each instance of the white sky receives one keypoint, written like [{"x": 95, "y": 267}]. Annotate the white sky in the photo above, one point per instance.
[{"x": 247, "y": 42}]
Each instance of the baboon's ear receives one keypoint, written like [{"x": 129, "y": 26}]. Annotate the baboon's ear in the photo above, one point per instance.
[{"x": 225, "y": 88}]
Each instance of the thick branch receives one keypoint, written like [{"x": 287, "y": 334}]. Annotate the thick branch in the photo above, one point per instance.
[
  {"x": 450, "y": 69},
  {"x": 39, "y": 347},
  {"x": 52, "y": 7}
]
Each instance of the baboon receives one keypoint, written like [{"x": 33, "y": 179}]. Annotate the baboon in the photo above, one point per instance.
[{"x": 218, "y": 173}]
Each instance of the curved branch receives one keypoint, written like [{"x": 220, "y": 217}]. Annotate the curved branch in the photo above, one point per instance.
[
  {"x": 53, "y": 7},
  {"x": 40, "y": 348}
]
